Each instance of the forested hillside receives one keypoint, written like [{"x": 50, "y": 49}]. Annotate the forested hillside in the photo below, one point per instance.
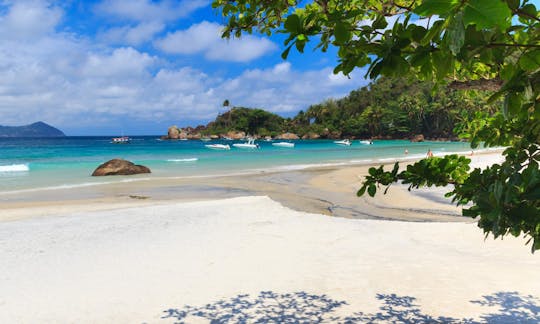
[{"x": 387, "y": 108}]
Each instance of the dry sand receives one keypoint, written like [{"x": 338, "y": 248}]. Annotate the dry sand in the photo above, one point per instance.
[{"x": 249, "y": 259}]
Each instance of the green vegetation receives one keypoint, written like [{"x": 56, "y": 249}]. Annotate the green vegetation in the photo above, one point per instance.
[
  {"x": 394, "y": 108},
  {"x": 388, "y": 108},
  {"x": 248, "y": 120},
  {"x": 482, "y": 44}
]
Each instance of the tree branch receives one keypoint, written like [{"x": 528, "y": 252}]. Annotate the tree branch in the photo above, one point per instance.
[{"x": 481, "y": 84}]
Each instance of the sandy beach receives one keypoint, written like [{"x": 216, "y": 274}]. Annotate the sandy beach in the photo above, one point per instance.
[{"x": 295, "y": 246}]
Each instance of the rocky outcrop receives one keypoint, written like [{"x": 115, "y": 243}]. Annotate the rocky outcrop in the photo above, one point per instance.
[
  {"x": 173, "y": 132},
  {"x": 311, "y": 135},
  {"x": 119, "y": 167},
  {"x": 417, "y": 138},
  {"x": 235, "y": 135},
  {"x": 288, "y": 136}
]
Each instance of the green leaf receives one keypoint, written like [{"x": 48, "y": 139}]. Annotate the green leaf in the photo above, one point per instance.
[
  {"x": 487, "y": 14},
  {"x": 361, "y": 191},
  {"x": 456, "y": 33},
  {"x": 443, "y": 64},
  {"x": 513, "y": 4},
  {"x": 530, "y": 61},
  {"x": 435, "y": 7},
  {"x": 379, "y": 23},
  {"x": 285, "y": 53},
  {"x": 372, "y": 190},
  {"x": 292, "y": 24},
  {"x": 512, "y": 105},
  {"x": 342, "y": 33}
]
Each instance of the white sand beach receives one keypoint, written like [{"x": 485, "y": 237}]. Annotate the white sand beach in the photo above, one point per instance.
[{"x": 250, "y": 258}]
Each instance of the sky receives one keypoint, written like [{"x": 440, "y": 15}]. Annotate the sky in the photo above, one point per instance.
[{"x": 135, "y": 67}]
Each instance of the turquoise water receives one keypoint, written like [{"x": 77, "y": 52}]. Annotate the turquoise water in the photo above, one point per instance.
[{"x": 33, "y": 164}]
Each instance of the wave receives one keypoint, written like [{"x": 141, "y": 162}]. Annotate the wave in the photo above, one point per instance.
[
  {"x": 14, "y": 168},
  {"x": 183, "y": 160}
]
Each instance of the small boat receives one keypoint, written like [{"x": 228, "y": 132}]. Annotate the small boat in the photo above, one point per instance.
[
  {"x": 283, "y": 144},
  {"x": 218, "y": 146},
  {"x": 366, "y": 142},
  {"x": 343, "y": 142},
  {"x": 226, "y": 138},
  {"x": 250, "y": 144},
  {"x": 206, "y": 139},
  {"x": 120, "y": 140}
]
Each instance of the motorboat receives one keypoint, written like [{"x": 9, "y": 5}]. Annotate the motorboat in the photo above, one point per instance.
[
  {"x": 226, "y": 138},
  {"x": 250, "y": 144},
  {"x": 283, "y": 144},
  {"x": 345, "y": 142},
  {"x": 366, "y": 142},
  {"x": 218, "y": 146},
  {"x": 120, "y": 140},
  {"x": 206, "y": 139}
]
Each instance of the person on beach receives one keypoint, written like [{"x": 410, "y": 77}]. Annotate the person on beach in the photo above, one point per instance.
[
  {"x": 429, "y": 153},
  {"x": 406, "y": 151}
]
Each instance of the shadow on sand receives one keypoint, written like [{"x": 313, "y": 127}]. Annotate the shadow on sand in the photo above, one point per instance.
[{"x": 301, "y": 307}]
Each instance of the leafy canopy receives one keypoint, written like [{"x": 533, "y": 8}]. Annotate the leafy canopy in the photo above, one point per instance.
[{"x": 483, "y": 44}]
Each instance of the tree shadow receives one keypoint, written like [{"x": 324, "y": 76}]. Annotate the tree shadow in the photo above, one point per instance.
[
  {"x": 513, "y": 308},
  {"x": 268, "y": 307},
  {"x": 302, "y": 307}
]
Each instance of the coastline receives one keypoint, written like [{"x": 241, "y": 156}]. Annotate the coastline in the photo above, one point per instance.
[{"x": 328, "y": 189}]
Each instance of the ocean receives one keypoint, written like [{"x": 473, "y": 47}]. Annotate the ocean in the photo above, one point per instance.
[{"x": 31, "y": 164}]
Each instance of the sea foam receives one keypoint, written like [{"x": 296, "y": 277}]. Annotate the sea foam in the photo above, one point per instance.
[
  {"x": 14, "y": 168},
  {"x": 183, "y": 160}
]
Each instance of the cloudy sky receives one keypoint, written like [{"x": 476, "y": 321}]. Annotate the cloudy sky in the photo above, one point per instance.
[{"x": 137, "y": 66}]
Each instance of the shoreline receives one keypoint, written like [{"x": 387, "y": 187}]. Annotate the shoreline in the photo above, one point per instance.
[{"x": 329, "y": 189}]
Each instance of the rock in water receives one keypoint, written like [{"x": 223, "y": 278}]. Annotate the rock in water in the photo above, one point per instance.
[
  {"x": 119, "y": 167},
  {"x": 173, "y": 132}
]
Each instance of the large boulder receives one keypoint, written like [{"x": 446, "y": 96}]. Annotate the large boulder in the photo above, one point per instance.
[
  {"x": 417, "y": 138},
  {"x": 235, "y": 135},
  {"x": 173, "y": 132},
  {"x": 311, "y": 135},
  {"x": 119, "y": 167},
  {"x": 288, "y": 136}
]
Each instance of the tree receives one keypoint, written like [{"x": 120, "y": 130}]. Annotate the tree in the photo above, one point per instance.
[{"x": 481, "y": 44}]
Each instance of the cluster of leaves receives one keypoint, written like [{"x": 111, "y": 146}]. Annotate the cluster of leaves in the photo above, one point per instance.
[{"x": 468, "y": 42}]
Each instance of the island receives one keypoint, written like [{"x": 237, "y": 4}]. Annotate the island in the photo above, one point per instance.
[{"x": 38, "y": 129}]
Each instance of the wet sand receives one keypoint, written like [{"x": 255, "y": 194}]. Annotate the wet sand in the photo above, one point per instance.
[{"x": 323, "y": 190}]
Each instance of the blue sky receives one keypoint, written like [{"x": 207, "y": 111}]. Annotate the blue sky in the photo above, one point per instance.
[{"x": 107, "y": 67}]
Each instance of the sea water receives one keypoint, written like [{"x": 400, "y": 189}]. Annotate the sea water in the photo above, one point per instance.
[{"x": 28, "y": 164}]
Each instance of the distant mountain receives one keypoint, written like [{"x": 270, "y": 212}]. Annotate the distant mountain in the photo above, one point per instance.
[{"x": 39, "y": 129}]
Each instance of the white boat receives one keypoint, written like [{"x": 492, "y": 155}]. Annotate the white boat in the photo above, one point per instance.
[
  {"x": 250, "y": 144},
  {"x": 218, "y": 146},
  {"x": 343, "y": 142},
  {"x": 283, "y": 144},
  {"x": 120, "y": 140},
  {"x": 226, "y": 138},
  {"x": 206, "y": 139},
  {"x": 366, "y": 142}
]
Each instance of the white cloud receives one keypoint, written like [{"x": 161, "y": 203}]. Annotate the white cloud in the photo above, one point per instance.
[
  {"x": 29, "y": 20},
  {"x": 122, "y": 62},
  {"x": 132, "y": 35},
  {"x": 205, "y": 37},
  {"x": 75, "y": 83},
  {"x": 147, "y": 10}
]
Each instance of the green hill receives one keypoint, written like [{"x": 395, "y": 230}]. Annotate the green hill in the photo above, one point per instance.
[{"x": 39, "y": 129}]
